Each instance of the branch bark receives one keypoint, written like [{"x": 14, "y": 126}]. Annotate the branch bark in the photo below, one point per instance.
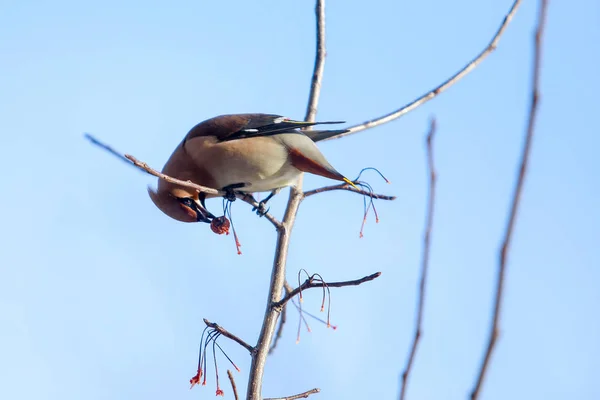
[
  {"x": 259, "y": 358},
  {"x": 424, "y": 258},
  {"x": 233, "y": 385},
  {"x": 516, "y": 199},
  {"x": 432, "y": 93}
]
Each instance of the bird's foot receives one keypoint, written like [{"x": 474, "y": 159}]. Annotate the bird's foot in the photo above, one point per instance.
[
  {"x": 230, "y": 191},
  {"x": 230, "y": 195},
  {"x": 261, "y": 209}
]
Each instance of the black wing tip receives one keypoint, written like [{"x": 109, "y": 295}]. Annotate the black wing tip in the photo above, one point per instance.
[
  {"x": 305, "y": 123},
  {"x": 317, "y": 136},
  {"x": 330, "y": 122}
]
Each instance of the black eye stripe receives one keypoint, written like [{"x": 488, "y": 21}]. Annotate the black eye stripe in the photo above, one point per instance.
[{"x": 186, "y": 201}]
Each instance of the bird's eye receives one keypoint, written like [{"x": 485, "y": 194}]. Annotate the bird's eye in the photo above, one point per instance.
[{"x": 186, "y": 201}]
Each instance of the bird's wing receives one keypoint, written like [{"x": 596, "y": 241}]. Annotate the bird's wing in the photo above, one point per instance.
[{"x": 241, "y": 126}]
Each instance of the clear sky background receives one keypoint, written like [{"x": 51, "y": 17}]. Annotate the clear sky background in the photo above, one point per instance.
[{"x": 102, "y": 296}]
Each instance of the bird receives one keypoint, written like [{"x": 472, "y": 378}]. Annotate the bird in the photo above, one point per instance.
[{"x": 245, "y": 153}]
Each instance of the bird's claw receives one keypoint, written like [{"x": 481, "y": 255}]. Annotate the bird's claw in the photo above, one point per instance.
[
  {"x": 261, "y": 209},
  {"x": 230, "y": 195}
]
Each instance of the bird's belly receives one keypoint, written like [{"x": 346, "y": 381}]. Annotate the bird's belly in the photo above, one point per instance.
[
  {"x": 261, "y": 164},
  {"x": 286, "y": 176}
]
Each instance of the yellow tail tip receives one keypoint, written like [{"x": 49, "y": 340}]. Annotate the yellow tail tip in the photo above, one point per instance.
[{"x": 349, "y": 182}]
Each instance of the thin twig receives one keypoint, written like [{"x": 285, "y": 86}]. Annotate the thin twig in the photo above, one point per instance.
[
  {"x": 229, "y": 335},
  {"x": 297, "y": 396},
  {"x": 131, "y": 160},
  {"x": 310, "y": 283},
  {"x": 233, "y": 386},
  {"x": 144, "y": 167},
  {"x": 317, "y": 77},
  {"x": 345, "y": 186},
  {"x": 106, "y": 147},
  {"x": 432, "y": 93},
  {"x": 199, "y": 188},
  {"x": 267, "y": 332},
  {"x": 424, "y": 257},
  {"x": 516, "y": 198}
]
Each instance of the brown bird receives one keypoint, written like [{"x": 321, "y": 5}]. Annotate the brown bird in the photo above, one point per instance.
[{"x": 242, "y": 152}]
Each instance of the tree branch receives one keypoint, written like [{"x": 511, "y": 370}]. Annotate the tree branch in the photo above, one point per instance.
[
  {"x": 424, "y": 257},
  {"x": 345, "y": 186},
  {"x": 309, "y": 283},
  {"x": 131, "y": 160},
  {"x": 229, "y": 335},
  {"x": 317, "y": 78},
  {"x": 233, "y": 385},
  {"x": 297, "y": 396},
  {"x": 189, "y": 184},
  {"x": 432, "y": 93},
  {"x": 516, "y": 198},
  {"x": 259, "y": 358}
]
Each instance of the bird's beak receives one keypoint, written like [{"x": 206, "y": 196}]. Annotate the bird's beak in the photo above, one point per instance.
[{"x": 202, "y": 214}]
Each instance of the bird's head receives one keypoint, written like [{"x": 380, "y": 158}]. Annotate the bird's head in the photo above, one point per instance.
[{"x": 183, "y": 209}]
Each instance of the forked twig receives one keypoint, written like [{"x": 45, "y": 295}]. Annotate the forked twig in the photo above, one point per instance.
[
  {"x": 516, "y": 198},
  {"x": 267, "y": 332},
  {"x": 229, "y": 335},
  {"x": 424, "y": 257},
  {"x": 345, "y": 186},
  {"x": 309, "y": 283},
  {"x": 432, "y": 93}
]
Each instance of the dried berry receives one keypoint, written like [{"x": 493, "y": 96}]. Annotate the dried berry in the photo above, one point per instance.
[{"x": 220, "y": 225}]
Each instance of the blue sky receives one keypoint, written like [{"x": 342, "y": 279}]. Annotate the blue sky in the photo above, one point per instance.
[{"x": 102, "y": 296}]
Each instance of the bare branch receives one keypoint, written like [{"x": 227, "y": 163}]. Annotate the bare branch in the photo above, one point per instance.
[
  {"x": 233, "y": 386},
  {"x": 424, "y": 257},
  {"x": 310, "y": 283},
  {"x": 267, "y": 332},
  {"x": 189, "y": 184},
  {"x": 106, "y": 147},
  {"x": 516, "y": 198},
  {"x": 317, "y": 78},
  {"x": 144, "y": 167},
  {"x": 345, "y": 186},
  {"x": 297, "y": 396},
  {"x": 131, "y": 160},
  {"x": 434, "y": 92},
  {"x": 259, "y": 358},
  {"x": 229, "y": 335}
]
